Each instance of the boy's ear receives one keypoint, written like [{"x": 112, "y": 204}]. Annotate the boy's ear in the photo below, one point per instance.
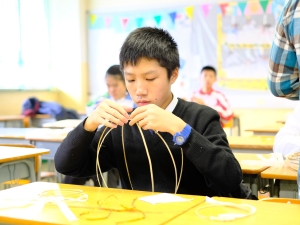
[{"x": 174, "y": 75}]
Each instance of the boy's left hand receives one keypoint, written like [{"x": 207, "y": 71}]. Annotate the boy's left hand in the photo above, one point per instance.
[{"x": 155, "y": 118}]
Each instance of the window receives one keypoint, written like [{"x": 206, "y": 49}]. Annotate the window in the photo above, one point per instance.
[{"x": 24, "y": 45}]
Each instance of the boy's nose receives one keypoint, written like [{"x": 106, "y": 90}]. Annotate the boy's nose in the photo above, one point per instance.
[{"x": 140, "y": 89}]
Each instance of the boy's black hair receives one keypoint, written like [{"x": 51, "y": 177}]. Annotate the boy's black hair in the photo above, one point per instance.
[
  {"x": 115, "y": 72},
  {"x": 151, "y": 43},
  {"x": 211, "y": 68}
]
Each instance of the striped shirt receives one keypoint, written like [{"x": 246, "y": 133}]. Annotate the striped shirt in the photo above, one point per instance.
[
  {"x": 218, "y": 102},
  {"x": 284, "y": 64}
]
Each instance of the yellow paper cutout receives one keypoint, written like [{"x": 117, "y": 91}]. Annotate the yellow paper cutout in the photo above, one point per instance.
[
  {"x": 93, "y": 18},
  {"x": 190, "y": 11}
]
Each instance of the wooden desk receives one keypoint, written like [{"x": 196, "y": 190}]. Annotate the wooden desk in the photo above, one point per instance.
[
  {"x": 63, "y": 124},
  {"x": 248, "y": 169},
  {"x": 40, "y": 137},
  {"x": 19, "y": 119},
  {"x": 39, "y": 119},
  {"x": 266, "y": 130},
  {"x": 281, "y": 173},
  {"x": 285, "y": 183},
  {"x": 18, "y": 162},
  {"x": 266, "y": 212},
  {"x": 251, "y": 174},
  {"x": 252, "y": 144},
  {"x": 26, "y": 135}
]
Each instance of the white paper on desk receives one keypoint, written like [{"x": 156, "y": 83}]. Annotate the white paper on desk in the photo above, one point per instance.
[
  {"x": 275, "y": 160},
  {"x": 164, "y": 198}
]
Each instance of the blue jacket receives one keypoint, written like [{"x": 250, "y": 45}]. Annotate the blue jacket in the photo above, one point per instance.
[{"x": 32, "y": 106}]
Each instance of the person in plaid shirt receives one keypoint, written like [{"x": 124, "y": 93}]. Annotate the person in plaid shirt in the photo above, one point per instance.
[{"x": 284, "y": 65}]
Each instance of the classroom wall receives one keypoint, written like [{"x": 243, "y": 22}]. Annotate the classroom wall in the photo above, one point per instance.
[{"x": 67, "y": 28}]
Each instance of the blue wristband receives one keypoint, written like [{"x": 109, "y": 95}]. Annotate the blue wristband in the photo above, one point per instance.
[{"x": 180, "y": 137}]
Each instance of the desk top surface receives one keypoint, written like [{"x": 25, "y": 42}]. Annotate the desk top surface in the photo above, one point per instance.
[
  {"x": 269, "y": 128},
  {"x": 63, "y": 123},
  {"x": 8, "y": 154},
  {"x": 43, "y": 134},
  {"x": 251, "y": 169},
  {"x": 282, "y": 173},
  {"x": 11, "y": 117},
  {"x": 251, "y": 142},
  {"x": 166, "y": 213}
]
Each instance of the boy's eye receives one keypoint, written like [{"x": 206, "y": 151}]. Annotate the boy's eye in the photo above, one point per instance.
[
  {"x": 150, "y": 79},
  {"x": 130, "y": 81}
]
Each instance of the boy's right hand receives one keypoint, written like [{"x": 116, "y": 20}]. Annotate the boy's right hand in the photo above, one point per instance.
[{"x": 109, "y": 114}]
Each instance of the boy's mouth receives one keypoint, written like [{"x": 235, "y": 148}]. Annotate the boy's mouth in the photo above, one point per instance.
[{"x": 143, "y": 102}]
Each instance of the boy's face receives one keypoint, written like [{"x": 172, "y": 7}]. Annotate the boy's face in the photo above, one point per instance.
[
  {"x": 208, "y": 78},
  {"x": 148, "y": 83},
  {"x": 115, "y": 86}
]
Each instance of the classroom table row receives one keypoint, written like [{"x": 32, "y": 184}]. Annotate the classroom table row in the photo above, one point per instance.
[
  {"x": 46, "y": 203},
  {"x": 251, "y": 172},
  {"x": 51, "y": 139},
  {"x": 20, "y": 163},
  {"x": 38, "y": 120}
]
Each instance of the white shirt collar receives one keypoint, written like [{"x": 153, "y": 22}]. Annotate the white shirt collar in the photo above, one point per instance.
[{"x": 172, "y": 105}]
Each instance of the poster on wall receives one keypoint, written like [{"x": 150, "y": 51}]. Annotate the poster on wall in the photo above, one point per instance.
[{"x": 245, "y": 32}]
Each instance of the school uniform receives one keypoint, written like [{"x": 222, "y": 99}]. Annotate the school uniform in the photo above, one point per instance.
[
  {"x": 216, "y": 100},
  {"x": 209, "y": 166}
]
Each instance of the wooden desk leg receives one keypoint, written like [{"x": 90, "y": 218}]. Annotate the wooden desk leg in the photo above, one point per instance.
[
  {"x": 276, "y": 188},
  {"x": 254, "y": 184}
]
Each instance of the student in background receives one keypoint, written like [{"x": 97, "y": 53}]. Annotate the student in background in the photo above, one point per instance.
[
  {"x": 210, "y": 97},
  {"x": 116, "y": 90},
  {"x": 150, "y": 62},
  {"x": 284, "y": 66},
  {"x": 287, "y": 140}
]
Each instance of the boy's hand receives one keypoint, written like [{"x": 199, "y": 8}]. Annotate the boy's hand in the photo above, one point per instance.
[
  {"x": 198, "y": 100},
  {"x": 107, "y": 113},
  {"x": 155, "y": 118}
]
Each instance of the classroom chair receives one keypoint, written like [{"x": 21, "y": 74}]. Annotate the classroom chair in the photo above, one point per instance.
[
  {"x": 43, "y": 174},
  {"x": 281, "y": 200},
  {"x": 229, "y": 125}
]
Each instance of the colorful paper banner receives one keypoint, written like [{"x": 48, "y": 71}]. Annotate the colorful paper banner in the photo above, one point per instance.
[
  {"x": 242, "y": 6},
  {"x": 205, "y": 9},
  {"x": 190, "y": 12},
  {"x": 157, "y": 20},
  {"x": 223, "y": 7},
  {"x": 264, "y": 4},
  {"x": 173, "y": 16},
  {"x": 139, "y": 22}
]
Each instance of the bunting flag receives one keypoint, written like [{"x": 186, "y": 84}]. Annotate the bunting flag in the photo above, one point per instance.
[
  {"x": 157, "y": 19},
  {"x": 254, "y": 7},
  {"x": 173, "y": 16},
  {"x": 124, "y": 22},
  {"x": 107, "y": 22},
  {"x": 182, "y": 63},
  {"x": 139, "y": 22},
  {"x": 264, "y": 4},
  {"x": 190, "y": 12},
  {"x": 235, "y": 10},
  {"x": 242, "y": 6},
  {"x": 223, "y": 7},
  {"x": 93, "y": 19},
  {"x": 205, "y": 9}
]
